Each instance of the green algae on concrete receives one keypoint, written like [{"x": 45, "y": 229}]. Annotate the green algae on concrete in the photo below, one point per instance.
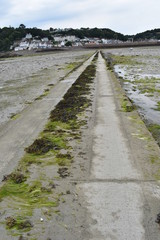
[
  {"x": 126, "y": 105},
  {"x": 19, "y": 223},
  {"x": 15, "y": 116},
  {"x": 73, "y": 65},
  {"x": 141, "y": 136},
  {"x": 155, "y": 130},
  {"x": 29, "y": 196},
  {"x": 51, "y": 148},
  {"x": 45, "y": 93},
  {"x": 136, "y": 119}
]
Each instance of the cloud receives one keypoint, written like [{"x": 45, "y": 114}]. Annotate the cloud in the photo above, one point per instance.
[{"x": 125, "y": 16}]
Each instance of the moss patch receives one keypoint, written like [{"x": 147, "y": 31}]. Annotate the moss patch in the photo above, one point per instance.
[
  {"x": 16, "y": 177},
  {"x": 15, "y": 116},
  {"x": 155, "y": 130},
  {"x": 125, "y": 60},
  {"x": 126, "y": 105},
  {"x": 45, "y": 93},
  {"x": 18, "y": 223},
  {"x": 155, "y": 159},
  {"x": 26, "y": 197},
  {"x": 158, "y": 106},
  {"x": 147, "y": 85},
  {"x": 73, "y": 65},
  {"x": 64, "y": 159}
]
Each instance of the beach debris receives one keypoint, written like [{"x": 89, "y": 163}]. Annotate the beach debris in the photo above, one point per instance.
[{"x": 63, "y": 172}]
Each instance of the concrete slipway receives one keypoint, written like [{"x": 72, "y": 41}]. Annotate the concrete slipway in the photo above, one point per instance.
[
  {"x": 122, "y": 194},
  {"x": 120, "y": 191},
  {"x": 30, "y": 123}
]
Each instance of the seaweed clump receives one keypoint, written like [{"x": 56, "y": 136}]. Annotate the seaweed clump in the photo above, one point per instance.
[
  {"x": 63, "y": 126},
  {"x": 63, "y": 172},
  {"x": 16, "y": 177},
  {"x": 18, "y": 223},
  {"x": 75, "y": 100},
  {"x": 40, "y": 146},
  {"x": 109, "y": 60}
]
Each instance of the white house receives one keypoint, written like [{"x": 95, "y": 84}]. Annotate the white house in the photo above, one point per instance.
[
  {"x": 18, "y": 49},
  {"x": 104, "y": 41},
  {"x": 62, "y": 44},
  {"x": 85, "y": 40},
  {"x": 71, "y": 38},
  {"x": 45, "y": 45},
  {"x": 24, "y": 45},
  {"x": 34, "y": 44},
  {"x": 77, "y": 44},
  {"x": 45, "y": 39},
  {"x": 60, "y": 38},
  {"x": 28, "y": 36}
]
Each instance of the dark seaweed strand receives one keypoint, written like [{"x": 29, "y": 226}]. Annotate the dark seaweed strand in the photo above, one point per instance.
[{"x": 75, "y": 100}]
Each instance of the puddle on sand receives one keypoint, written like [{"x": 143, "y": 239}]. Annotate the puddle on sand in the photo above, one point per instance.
[
  {"x": 141, "y": 80},
  {"x": 146, "y": 106}
]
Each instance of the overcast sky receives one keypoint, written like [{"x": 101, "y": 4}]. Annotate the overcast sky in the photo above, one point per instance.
[{"x": 124, "y": 16}]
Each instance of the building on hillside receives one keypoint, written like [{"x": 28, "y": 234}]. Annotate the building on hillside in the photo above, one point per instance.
[
  {"x": 34, "y": 44},
  {"x": 60, "y": 38},
  {"x": 45, "y": 39},
  {"x": 28, "y": 36},
  {"x": 24, "y": 45},
  {"x": 18, "y": 49},
  {"x": 104, "y": 41},
  {"x": 84, "y": 40},
  {"x": 77, "y": 44},
  {"x": 45, "y": 45}
]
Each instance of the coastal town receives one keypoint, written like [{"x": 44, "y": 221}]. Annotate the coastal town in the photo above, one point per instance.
[
  {"x": 26, "y": 39},
  {"x": 63, "y": 41},
  {"x": 29, "y": 42}
]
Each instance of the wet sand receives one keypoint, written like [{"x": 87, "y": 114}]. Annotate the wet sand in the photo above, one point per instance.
[{"x": 141, "y": 78}]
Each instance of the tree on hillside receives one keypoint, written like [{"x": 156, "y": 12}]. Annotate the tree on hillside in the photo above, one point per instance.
[
  {"x": 51, "y": 29},
  {"x": 68, "y": 44},
  {"x": 22, "y": 26}
]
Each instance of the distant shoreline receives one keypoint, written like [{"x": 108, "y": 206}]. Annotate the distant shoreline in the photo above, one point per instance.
[
  {"x": 125, "y": 45},
  {"x": 9, "y": 54}
]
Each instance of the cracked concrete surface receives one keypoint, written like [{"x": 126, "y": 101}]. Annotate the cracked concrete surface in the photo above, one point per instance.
[
  {"x": 30, "y": 123},
  {"x": 118, "y": 192}
]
